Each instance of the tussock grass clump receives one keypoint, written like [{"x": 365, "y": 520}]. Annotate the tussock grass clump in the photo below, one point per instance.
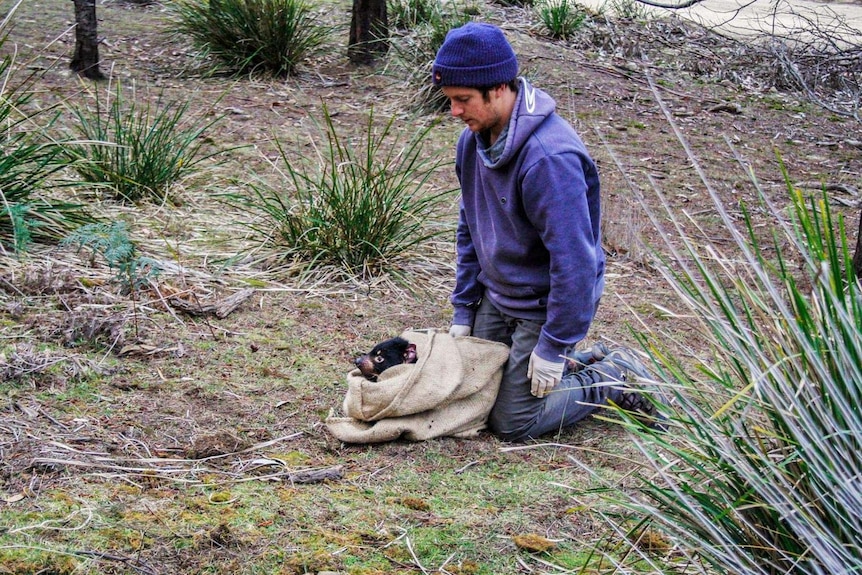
[
  {"x": 628, "y": 9},
  {"x": 561, "y": 18},
  {"x": 765, "y": 465},
  {"x": 138, "y": 150},
  {"x": 760, "y": 470},
  {"x": 28, "y": 159},
  {"x": 243, "y": 36},
  {"x": 358, "y": 206}
]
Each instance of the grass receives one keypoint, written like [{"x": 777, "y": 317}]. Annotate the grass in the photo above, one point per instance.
[
  {"x": 758, "y": 473},
  {"x": 29, "y": 159},
  {"x": 627, "y": 9},
  {"x": 414, "y": 52},
  {"x": 358, "y": 207},
  {"x": 252, "y": 36},
  {"x": 360, "y": 526},
  {"x": 407, "y": 14},
  {"x": 275, "y": 367},
  {"x": 561, "y": 18},
  {"x": 139, "y": 151}
]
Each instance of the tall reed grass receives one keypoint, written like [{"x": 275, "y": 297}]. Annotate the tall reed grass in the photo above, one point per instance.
[{"x": 761, "y": 471}]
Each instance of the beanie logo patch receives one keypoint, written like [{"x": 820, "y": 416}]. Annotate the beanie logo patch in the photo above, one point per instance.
[
  {"x": 438, "y": 77},
  {"x": 530, "y": 98}
]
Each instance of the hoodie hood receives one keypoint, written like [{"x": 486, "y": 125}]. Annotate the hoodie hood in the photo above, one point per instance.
[{"x": 532, "y": 107}]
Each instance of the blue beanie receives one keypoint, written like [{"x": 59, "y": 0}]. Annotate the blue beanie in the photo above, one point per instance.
[{"x": 475, "y": 55}]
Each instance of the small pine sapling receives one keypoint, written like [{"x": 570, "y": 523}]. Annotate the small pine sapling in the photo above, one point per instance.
[{"x": 113, "y": 243}]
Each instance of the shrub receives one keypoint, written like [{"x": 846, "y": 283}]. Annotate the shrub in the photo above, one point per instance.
[
  {"x": 138, "y": 151},
  {"x": 561, "y": 17},
  {"x": 356, "y": 207},
  {"x": 28, "y": 159},
  {"x": 760, "y": 473},
  {"x": 112, "y": 242},
  {"x": 270, "y": 36}
]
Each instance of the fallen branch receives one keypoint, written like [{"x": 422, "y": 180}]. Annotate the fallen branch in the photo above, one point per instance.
[
  {"x": 221, "y": 309},
  {"x": 829, "y": 187}
]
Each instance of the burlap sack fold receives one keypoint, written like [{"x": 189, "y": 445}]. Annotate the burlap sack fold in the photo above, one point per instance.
[{"x": 449, "y": 391}]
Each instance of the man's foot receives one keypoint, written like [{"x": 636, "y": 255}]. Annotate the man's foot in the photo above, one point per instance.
[
  {"x": 638, "y": 385},
  {"x": 578, "y": 360}
]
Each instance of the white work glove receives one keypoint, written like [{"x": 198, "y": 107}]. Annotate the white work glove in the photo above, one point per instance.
[
  {"x": 544, "y": 374},
  {"x": 460, "y": 330}
]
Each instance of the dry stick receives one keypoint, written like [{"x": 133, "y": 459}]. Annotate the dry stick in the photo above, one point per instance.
[
  {"x": 413, "y": 555},
  {"x": 825, "y": 186},
  {"x": 164, "y": 302},
  {"x": 51, "y": 419},
  {"x": 523, "y": 564},
  {"x": 461, "y": 470},
  {"x": 57, "y": 524},
  {"x": 220, "y": 309},
  {"x": 297, "y": 477},
  {"x": 306, "y": 476},
  {"x": 254, "y": 447},
  {"x": 135, "y": 563}
]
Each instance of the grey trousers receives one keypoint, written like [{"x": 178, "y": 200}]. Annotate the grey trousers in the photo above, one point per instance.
[{"x": 517, "y": 415}]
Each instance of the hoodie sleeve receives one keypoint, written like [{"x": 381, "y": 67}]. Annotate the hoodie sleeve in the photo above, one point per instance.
[
  {"x": 468, "y": 291},
  {"x": 556, "y": 202}
]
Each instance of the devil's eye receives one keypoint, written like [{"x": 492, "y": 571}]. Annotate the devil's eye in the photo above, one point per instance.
[{"x": 378, "y": 359}]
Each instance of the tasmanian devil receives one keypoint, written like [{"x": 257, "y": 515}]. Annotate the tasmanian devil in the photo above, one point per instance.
[{"x": 384, "y": 355}]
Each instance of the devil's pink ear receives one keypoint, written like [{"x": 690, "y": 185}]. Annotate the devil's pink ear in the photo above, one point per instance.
[{"x": 410, "y": 353}]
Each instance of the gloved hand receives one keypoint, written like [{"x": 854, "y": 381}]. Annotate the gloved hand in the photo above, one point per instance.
[
  {"x": 544, "y": 375},
  {"x": 460, "y": 330}
]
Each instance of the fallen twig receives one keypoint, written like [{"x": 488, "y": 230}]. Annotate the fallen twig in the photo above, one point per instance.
[
  {"x": 221, "y": 309},
  {"x": 135, "y": 563}
]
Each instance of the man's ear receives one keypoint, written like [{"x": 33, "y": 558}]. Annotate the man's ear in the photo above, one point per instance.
[{"x": 499, "y": 91}]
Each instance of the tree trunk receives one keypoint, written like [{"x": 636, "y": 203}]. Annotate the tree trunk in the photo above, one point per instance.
[
  {"x": 86, "y": 59},
  {"x": 857, "y": 256},
  {"x": 369, "y": 31}
]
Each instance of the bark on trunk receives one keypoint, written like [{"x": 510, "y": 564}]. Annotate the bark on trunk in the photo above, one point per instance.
[
  {"x": 86, "y": 59},
  {"x": 369, "y": 31}
]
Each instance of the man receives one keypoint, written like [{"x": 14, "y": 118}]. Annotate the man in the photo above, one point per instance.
[{"x": 530, "y": 262}]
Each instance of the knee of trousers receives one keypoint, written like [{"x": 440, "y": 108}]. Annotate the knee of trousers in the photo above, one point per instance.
[{"x": 508, "y": 427}]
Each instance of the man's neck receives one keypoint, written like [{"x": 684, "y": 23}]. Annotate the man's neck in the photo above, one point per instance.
[{"x": 507, "y": 107}]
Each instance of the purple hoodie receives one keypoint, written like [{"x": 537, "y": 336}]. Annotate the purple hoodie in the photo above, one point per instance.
[{"x": 529, "y": 234}]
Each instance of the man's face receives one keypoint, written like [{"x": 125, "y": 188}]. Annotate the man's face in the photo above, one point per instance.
[{"x": 479, "y": 114}]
